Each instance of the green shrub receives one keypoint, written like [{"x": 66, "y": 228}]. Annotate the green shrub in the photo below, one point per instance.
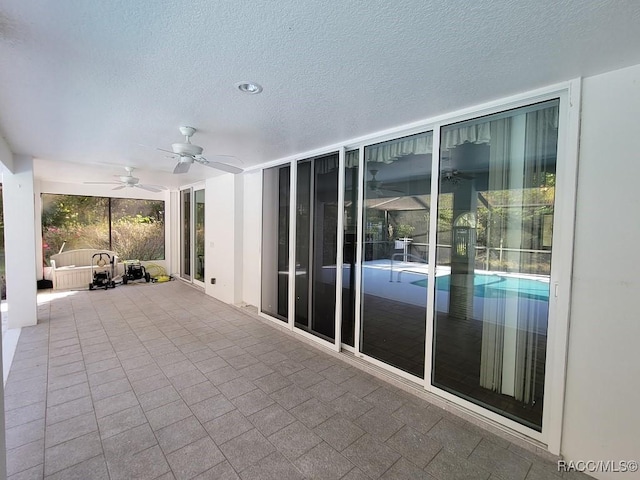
[{"x": 130, "y": 240}]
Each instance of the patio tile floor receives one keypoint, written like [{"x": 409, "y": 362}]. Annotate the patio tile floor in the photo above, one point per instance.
[{"x": 164, "y": 382}]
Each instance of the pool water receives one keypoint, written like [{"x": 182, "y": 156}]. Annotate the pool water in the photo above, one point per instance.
[{"x": 487, "y": 285}]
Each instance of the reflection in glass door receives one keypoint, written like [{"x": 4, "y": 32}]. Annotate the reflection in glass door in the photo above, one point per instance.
[
  {"x": 494, "y": 240},
  {"x": 316, "y": 245},
  {"x": 185, "y": 234},
  {"x": 394, "y": 264},
  {"x": 198, "y": 207}
]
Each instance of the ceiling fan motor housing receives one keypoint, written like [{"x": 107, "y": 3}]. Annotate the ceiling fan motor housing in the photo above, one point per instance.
[{"x": 186, "y": 149}]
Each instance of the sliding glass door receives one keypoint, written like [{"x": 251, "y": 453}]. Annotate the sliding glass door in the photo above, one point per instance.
[
  {"x": 495, "y": 211},
  {"x": 275, "y": 242},
  {"x": 185, "y": 234},
  {"x": 451, "y": 252},
  {"x": 395, "y": 251},
  {"x": 192, "y": 211},
  {"x": 198, "y": 237},
  {"x": 316, "y": 245},
  {"x": 349, "y": 249}
]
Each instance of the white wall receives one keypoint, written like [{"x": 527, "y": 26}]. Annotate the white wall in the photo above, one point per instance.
[
  {"x": 223, "y": 237},
  {"x": 602, "y": 406},
  {"x": 251, "y": 232}
]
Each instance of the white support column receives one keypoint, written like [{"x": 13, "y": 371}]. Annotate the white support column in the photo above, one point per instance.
[
  {"x": 20, "y": 243},
  {"x": 238, "y": 248},
  {"x": 6, "y": 165},
  {"x": 3, "y": 442}
]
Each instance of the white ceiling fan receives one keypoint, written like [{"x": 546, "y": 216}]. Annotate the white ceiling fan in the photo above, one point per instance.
[
  {"x": 187, "y": 153},
  {"x": 130, "y": 181}
]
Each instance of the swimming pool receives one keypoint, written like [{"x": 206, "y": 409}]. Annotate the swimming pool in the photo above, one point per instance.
[{"x": 486, "y": 285}]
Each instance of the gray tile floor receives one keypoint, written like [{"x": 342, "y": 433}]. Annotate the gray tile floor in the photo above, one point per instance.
[{"x": 160, "y": 381}]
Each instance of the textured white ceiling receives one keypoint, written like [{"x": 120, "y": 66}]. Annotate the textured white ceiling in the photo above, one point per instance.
[{"x": 88, "y": 82}]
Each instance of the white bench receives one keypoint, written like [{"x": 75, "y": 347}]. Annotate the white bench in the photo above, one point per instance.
[{"x": 72, "y": 269}]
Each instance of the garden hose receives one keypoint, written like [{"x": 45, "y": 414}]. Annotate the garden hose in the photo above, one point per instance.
[{"x": 159, "y": 274}]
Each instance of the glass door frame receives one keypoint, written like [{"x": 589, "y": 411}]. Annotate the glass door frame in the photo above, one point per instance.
[{"x": 192, "y": 189}]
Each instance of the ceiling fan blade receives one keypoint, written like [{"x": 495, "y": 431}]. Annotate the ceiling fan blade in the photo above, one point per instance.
[
  {"x": 182, "y": 167},
  {"x": 149, "y": 188},
  {"x": 225, "y": 167},
  {"x": 101, "y": 183},
  {"x": 119, "y": 187},
  {"x": 168, "y": 151}
]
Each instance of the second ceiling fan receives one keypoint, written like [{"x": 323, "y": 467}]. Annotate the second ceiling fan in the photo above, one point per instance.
[
  {"x": 188, "y": 153},
  {"x": 128, "y": 180}
]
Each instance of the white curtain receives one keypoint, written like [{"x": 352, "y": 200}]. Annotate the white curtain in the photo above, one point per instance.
[
  {"x": 495, "y": 301},
  {"x": 492, "y": 353},
  {"x": 511, "y": 330}
]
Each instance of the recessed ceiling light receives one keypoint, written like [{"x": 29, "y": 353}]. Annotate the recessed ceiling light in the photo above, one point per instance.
[{"x": 249, "y": 87}]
